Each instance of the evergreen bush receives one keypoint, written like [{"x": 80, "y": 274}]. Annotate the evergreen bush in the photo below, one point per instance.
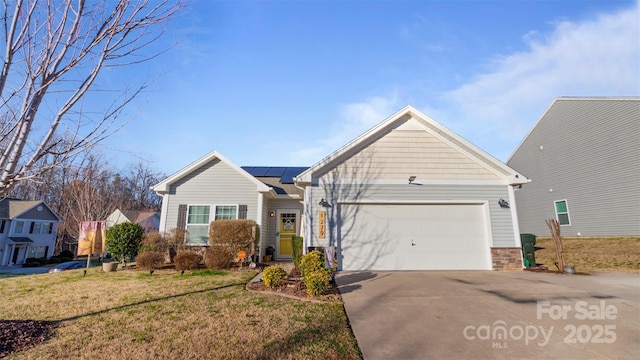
[
  {"x": 273, "y": 275},
  {"x": 296, "y": 247}
]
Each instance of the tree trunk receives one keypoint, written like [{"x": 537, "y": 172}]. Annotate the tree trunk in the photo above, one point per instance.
[{"x": 554, "y": 227}]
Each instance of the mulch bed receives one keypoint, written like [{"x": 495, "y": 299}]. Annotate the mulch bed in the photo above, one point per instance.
[
  {"x": 294, "y": 288},
  {"x": 19, "y": 335}
]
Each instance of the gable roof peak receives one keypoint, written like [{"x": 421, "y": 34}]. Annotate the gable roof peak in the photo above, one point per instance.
[
  {"x": 392, "y": 122},
  {"x": 163, "y": 186}
]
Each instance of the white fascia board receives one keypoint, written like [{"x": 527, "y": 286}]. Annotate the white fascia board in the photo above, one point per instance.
[{"x": 163, "y": 186}]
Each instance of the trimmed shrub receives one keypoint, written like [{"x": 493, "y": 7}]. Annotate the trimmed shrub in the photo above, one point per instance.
[
  {"x": 311, "y": 261},
  {"x": 55, "y": 260},
  {"x": 316, "y": 277},
  {"x": 187, "y": 261},
  {"x": 31, "y": 262},
  {"x": 296, "y": 247},
  {"x": 43, "y": 260},
  {"x": 123, "y": 240},
  {"x": 317, "y": 281},
  {"x": 273, "y": 274},
  {"x": 237, "y": 235},
  {"x": 149, "y": 260},
  {"x": 218, "y": 257}
]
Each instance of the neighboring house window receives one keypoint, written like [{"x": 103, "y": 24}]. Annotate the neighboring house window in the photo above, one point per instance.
[
  {"x": 562, "y": 212},
  {"x": 19, "y": 227},
  {"x": 2, "y": 222},
  {"x": 38, "y": 251},
  {"x": 226, "y": 212},
  {"x": 38, "y": 227},
  {"x": 198, "y": 224}
]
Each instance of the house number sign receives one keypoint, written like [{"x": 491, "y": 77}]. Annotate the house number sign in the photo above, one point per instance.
[{"x": 322, "y": 222}]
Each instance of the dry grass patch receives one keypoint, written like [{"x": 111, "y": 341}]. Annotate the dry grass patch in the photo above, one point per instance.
[
  {"x": 130, "y": 314},
  {"x": 611, "y": 254}
]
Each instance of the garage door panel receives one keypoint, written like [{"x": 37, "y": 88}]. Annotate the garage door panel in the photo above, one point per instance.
[{"x": 414, "y": 237}]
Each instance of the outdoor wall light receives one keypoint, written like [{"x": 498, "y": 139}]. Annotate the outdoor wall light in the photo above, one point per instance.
[
  {"x": 324, "y": 203},
  {"x": 272, "y": 214},
  {"x": 412, "y": 178},
  {"x": 503, "y": 203}
]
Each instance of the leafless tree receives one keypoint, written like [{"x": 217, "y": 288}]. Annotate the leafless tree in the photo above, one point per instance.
[{"x": 51, "y": 55}]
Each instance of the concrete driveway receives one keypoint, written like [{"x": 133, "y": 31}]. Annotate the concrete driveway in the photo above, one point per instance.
[{"x": 493, "y": 315}]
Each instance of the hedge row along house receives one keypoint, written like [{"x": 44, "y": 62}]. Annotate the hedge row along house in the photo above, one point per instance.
[{"x": 409, "y": 194}]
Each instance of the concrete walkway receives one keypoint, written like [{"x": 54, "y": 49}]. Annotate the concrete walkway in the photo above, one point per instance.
[{"x": 493, "y": 315}]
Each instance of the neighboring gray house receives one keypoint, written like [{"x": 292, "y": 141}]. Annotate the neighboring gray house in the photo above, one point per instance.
[
  {"x": 408, "y": 194},
  {"x": 583, "y": 157},
  {"x": 149, "y": 220},
  {"x": 27, "y": 229}
]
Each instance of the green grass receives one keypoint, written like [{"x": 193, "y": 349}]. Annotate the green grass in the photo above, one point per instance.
[{"x": 208, "y": 314}]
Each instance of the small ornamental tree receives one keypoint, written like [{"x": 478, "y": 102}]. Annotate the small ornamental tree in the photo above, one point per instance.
[
  {"x": 296, "y": 249},
  {"x": 123, "y": 240}
]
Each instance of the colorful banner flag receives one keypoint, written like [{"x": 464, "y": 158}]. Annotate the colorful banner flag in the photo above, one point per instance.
[{"x": 92, "y": 237}]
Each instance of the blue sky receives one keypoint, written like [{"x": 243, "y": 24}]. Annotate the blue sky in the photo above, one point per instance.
[{"x": 287, "y": 83}]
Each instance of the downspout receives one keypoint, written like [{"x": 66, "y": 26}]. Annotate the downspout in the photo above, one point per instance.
[
  {"x": 514, "y": 218},
  {"x": 259, "y": 218}
]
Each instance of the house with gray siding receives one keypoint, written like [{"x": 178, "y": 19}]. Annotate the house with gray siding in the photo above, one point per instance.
[
  {"x": 583, "y": 157},
  {"x": 214, "y": 188},
  {"x": 27, "y": 230},
  {"x": 409, "y": 194}
]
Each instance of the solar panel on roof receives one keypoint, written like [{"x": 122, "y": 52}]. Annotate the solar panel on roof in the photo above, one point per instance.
[
  {"x": 275, "y": 171},
  {"x": 286, "y": 173}
]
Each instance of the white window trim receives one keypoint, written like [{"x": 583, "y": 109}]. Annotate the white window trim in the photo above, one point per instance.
[
  {"x": 24, "y": 226},
  {"x": 186, "y": 224},
  {"x": 555, "y": 209},
  {"x": 212, "y": 216},
  {"x": 215, "y": 207}
]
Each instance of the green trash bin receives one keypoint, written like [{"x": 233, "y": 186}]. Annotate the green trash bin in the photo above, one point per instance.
[{"x": 528, "y": 249}]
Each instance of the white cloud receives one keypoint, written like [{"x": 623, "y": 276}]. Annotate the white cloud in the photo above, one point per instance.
[
  {"x": 495, "y": 109},
  {"x": 354, "y": 120},
  {"x": 599, "y": 57}
]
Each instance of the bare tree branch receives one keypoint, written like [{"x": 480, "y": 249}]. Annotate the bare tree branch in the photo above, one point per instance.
[{"x": 54, "y": 52}]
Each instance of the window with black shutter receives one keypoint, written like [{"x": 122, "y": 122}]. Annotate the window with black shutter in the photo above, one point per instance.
[
  {"x": 242, "y": 211},
  {"x": 182, "y": 216}
]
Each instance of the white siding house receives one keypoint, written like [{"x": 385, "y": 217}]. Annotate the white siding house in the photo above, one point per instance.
[
  {"x": 409, "y": 194},
  {"x": 583, "y": 157}
]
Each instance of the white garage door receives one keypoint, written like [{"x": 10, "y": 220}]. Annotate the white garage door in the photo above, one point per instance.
[{"x": 413, "y": 237}]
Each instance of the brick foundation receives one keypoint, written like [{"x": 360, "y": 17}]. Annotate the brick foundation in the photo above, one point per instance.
[{"x": 506, "y": 258}]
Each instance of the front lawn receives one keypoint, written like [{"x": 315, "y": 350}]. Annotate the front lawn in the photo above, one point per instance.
[
  {"x": 129, "y": 314},
  {"x": 612, "y": 254}
]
